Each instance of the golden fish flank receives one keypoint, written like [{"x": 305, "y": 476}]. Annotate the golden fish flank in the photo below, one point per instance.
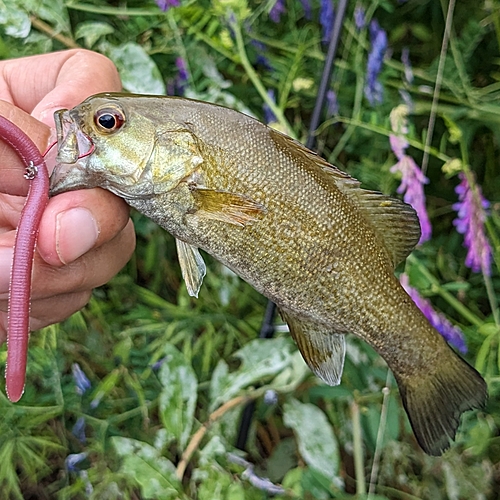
[{"x": 299, "y": 230}]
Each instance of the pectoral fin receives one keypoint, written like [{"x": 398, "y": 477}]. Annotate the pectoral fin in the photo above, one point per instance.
[
  {"x": 322, "y": 350},
  {"x": 192, "y": 266},
  {"x": 224, "y": 206}
]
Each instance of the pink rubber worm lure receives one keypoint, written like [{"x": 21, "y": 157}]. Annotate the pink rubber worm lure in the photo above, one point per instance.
[{"x": 24, "y": 247}]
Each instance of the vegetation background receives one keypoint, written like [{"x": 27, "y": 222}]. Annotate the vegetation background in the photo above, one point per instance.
[{"x": 140, "y": 395}]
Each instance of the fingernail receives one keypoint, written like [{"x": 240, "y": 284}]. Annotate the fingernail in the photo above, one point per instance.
[
  {"x": 76, "y": 233},
  {"x": 6, "y": 254}
]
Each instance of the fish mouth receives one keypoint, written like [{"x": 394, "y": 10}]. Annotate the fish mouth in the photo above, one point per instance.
[{"x": 74, "y": 148}]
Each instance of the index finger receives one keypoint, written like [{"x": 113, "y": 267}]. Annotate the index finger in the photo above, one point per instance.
[
  {"x": 45, "y": 83},
  {"x": 11, "y": 167}
]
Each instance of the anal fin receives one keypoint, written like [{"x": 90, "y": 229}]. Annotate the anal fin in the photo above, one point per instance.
[
  {"x": 322, "y": 350},
  {"x": 192, "y": 266}
]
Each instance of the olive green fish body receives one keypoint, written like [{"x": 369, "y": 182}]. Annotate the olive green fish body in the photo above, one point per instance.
[{"x": 300, "y": 231}]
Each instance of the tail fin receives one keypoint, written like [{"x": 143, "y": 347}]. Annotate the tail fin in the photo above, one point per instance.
[{"x": 435, "y": 401}]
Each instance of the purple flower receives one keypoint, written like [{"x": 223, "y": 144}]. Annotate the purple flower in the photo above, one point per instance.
[
  {"x": 79, "y": 430},
  {"x": 177, "y": 85},
  {"x": 269, "y": 116},
  {"x": 359, "y": 17},
  {"x": 167, "y": 4},
  {"x": 261, "y": 58},
  {"x": 74, "y": 459},
  {"x": 306, "y": 5},
  {"x": 270, "y": 397},
  {"x": 326, "y": 18},
  {"x": 276, "y": 10},
  {"x": 412, "y": 178},
  {"x": 81, "y": 381},
  {"x": 182, "y": 67},
  {"x": 332, "y": 105},
  {"x": 159, "y": 363},
  {"x": 405, "y": 59},
  {"x": 471, "y": 208},
  {"x": 412, "y": 184},
  {"x": 450, "y": 332},
  {"x": 406, "y": 97},
  {"x": 378, "y": 38}
]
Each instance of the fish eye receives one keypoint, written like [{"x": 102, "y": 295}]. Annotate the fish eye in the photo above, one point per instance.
[{"x": 109, "y": 120}]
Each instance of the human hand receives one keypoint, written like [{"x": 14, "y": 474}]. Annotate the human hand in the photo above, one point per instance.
[{"x": 85, "y": 237}]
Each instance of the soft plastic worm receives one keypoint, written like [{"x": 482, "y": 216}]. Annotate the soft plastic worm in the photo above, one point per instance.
[{"x": 20, "y": 282}]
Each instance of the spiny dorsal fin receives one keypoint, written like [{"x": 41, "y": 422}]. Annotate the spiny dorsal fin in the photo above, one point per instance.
[
  {"x": 394, "y": 221},
  {"x": 322, "y": 350}
]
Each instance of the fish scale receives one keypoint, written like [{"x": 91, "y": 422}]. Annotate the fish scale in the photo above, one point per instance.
[{"x": 300, "y": 231}]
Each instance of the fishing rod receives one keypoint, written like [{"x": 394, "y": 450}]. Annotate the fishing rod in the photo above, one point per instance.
[{"x": 267, "y": 328}]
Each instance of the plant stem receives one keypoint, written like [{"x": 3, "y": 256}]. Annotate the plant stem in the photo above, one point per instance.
[
  {"x": 447, "y": 296},
  {"x": 439, "y": 81},
  {"x": 195, "y": 441},
  {"x": 385, "y": 131},
  {"x": 359, "y": 469},
  {"x": 380, "y": 437},
  {"x": 115, "y": 11},
  {"x": 358, "y": 96},
  {"x": 47, "y": 29},
  {"x": 254, "y": 78}
]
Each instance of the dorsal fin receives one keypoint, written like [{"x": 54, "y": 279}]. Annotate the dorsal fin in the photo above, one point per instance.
[{"x": 395, "y": 222}]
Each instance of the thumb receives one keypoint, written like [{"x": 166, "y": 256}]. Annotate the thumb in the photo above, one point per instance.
[{"x": 46, "y": 116}]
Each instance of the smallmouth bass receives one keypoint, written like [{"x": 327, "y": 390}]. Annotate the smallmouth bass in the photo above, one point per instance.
[{"x": 300, "y": 231}]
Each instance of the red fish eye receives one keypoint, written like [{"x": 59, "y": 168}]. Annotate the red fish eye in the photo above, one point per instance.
[{"x": 109, "y": 120}]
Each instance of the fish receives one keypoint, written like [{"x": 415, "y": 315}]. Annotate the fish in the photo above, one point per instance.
[{"x": 299, "y": 230}]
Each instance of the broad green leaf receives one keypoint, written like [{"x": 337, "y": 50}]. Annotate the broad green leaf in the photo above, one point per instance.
[
  {"x": 138, "y": 71},
  {"x": 154, "y": 474},
  {"x": 315, "y": 438},
  {"x": 293, "y": 481},
  {"x": 283, "y": 459},
  {"x": 214, "y": 448},
  {"x": 316, "y": 485},
  {"x": 217, "y": 87},
  {"x": 260, "y": 360},
  {"x": 236, "y": 492},
  {"x": 178, "y": 396},
  {"x": 291, "y": 376},
  {"x": 54, "y": 12},
  {"x": 212, "y": 482},
  {"x": 91, "y": 32},
  {"x": 16, "y": 20}
]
